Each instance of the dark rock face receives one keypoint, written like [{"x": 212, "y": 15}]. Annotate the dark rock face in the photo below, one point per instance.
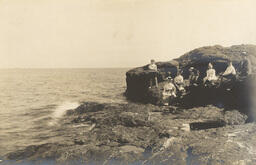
[
  {"x": 242, "y": 87},
  {"x": 138, "y": 80}
]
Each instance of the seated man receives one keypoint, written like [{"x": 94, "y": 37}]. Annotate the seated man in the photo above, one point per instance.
[
  {"x": 230, "y": 72},
  {"x": 169, "y": 91},
  {"x": 153, "y": 67},
  {"x": 193, "y": 75},
  {"x": 210, "y": 75},
  {"x": 245, "y": 65},
  {"x": 179, "y": 82}
]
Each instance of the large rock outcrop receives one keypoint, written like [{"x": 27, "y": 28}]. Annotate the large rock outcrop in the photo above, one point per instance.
[{"x": 243, "y": 89}]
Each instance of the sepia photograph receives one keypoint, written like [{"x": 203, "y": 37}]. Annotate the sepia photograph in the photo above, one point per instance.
[{"x": 127, "y": 82}]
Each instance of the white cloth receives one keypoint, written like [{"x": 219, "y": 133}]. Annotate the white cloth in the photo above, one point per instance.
[
  {"x": 211, "y": 75},
  {"x": 230, "y": 70},
  {"x": 152, "y": 67}
]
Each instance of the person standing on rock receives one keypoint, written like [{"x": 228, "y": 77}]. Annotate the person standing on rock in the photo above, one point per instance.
[
  {"x": 210, "y": 75},
  {"x": 153, "y": 73}
]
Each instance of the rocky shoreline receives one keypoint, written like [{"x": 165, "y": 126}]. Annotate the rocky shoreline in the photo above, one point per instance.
[
  {"x": 198, "y": 130},
  {"x": 147, "y": 134}
]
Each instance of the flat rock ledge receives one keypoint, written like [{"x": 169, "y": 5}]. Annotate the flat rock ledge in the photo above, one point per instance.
[{"x": 148, "y": 134}]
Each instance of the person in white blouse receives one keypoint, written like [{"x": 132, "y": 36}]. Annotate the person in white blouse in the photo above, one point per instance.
[
  {"x": 230, "y": 71},
  {"x": 179, "y": 82},
  {"x": 153, "y": 69},
  {"x": 169, "y": 91},
  {"x": 210, "y": 74}
]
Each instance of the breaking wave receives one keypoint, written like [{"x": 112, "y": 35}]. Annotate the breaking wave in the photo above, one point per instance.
[{"x": 60, "y": 110}]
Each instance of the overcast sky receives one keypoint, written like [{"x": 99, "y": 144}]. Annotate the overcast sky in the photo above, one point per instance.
[{"x": 117, "y": 33}]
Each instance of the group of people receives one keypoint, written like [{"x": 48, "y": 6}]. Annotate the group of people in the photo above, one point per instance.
[{"x": 176, "y": 87}]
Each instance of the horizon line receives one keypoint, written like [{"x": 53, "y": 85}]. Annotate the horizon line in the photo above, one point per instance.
[{"x": 66, "y": 67}]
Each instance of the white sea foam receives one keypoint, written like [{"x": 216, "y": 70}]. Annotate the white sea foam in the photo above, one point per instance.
[{"x": 60, "y": 110}]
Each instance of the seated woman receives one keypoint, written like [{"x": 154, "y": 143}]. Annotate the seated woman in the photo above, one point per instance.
[
  {"x": 210, "y": 75},
  {"x": 169, "y": 91},
  {"x": 179, "y": 82},
  {"x": 230, "y": 72}
]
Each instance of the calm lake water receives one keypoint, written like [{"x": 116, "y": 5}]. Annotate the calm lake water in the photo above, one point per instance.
[{"x": 32, "y": 100}]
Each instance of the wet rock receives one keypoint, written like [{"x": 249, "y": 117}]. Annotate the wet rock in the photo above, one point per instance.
[
  {"x": 46, "y": 151},
  {"x": 87, "y": 107},
  {"x": 131, "y": 119}
]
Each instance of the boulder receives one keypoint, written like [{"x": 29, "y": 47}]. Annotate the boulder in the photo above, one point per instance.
[{"x": 242, "y": 88}]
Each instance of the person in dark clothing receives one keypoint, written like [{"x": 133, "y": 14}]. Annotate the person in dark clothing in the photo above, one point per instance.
[
  {"x": 246, "y": 65},
  {"x": 193, "y": 76},
  {"x": 168, "y": 76}
]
